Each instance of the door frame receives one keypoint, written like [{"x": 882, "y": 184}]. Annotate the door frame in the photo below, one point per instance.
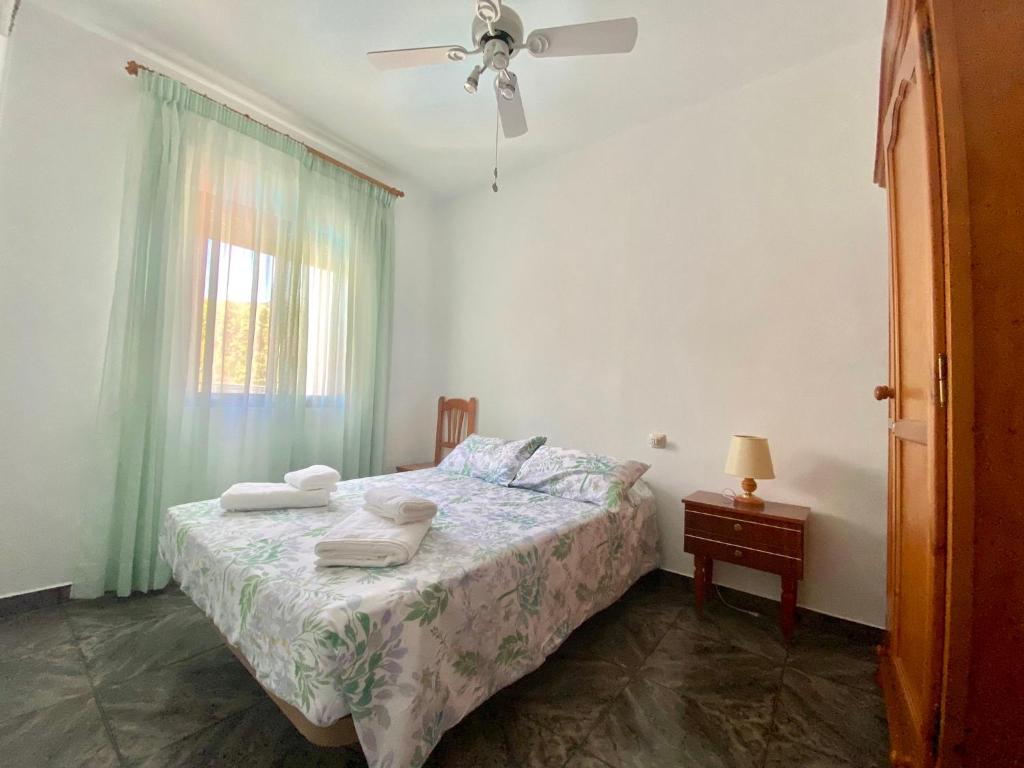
[
  {"x": 959, "y": 345},
  {"x": 960, "y": 406},
  {"x": 914, "y": 727}
]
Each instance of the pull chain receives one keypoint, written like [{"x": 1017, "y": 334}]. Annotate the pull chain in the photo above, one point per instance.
[{"x": 497, "y": 124}]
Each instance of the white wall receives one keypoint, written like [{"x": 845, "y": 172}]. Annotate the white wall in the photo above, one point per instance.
[
  {"x": 66, "y": 111},
  {"x": 721, "y": 270}
]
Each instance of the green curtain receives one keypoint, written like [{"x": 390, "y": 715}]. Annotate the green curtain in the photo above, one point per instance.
[{"x": 250, "y": 325}]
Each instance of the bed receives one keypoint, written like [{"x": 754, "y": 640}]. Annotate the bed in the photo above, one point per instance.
[{"x": 399, "y": 655}]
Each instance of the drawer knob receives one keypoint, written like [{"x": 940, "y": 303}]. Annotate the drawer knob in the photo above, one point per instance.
[
  {"x": 737, "y": 553},
  {"x": 737, "y": 527}
]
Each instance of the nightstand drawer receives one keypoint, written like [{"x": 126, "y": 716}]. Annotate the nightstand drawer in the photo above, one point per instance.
[
  {"x": 737, "y": 530},
  {"x": 785, "y": 565}
]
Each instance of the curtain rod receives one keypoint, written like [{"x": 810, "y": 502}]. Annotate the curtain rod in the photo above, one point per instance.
[{"x": 133, "y": 67}]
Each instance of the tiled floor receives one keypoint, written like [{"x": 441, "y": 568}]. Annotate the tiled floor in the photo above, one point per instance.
[{"x": 147, "y": 682}]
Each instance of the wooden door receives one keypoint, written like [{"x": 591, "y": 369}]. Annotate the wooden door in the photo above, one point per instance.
[{"x": 912, "y": 665}]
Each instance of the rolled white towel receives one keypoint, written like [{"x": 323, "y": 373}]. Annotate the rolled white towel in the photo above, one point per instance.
[
  {"x": 365, "y": 540},
  {"x": 313, "y": 478},
  {"x": 256, "y": 496},
  {"x": 398, "y": 506}
]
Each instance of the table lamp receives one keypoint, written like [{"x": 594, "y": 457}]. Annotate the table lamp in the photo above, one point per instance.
[{"x": 749, "y": 458}]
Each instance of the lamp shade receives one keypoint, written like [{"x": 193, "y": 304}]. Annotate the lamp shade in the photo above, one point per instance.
[{"x": 749, "y": 457}]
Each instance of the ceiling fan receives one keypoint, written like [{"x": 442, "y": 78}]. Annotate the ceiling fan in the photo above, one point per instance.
[{"x": 498, "y": 35}]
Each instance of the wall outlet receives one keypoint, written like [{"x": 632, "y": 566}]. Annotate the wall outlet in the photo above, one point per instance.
[{"x": 657, "y": 440}]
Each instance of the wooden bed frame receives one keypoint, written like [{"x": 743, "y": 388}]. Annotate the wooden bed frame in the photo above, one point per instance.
[{"x": 339, "y": 734}]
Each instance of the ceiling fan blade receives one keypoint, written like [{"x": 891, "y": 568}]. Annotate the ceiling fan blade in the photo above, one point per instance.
[
  {"x": 612, "y": 36},
  {"x": 513, "y": 118},
  {"x": 417, "y": 57}
]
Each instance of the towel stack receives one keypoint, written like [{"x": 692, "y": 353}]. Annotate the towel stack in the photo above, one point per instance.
[
  {"x": 386, "y": 531},
  {"x": 397, "y": 506},
  {"x": 318, "y": 477},
  {"x": 303, "y": 488}
]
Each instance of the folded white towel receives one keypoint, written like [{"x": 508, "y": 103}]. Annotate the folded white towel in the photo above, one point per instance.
[
  {"x": 313, "y": 478},
  {"x": 254, "y": 496},
  {"x": 365, "y": 540},
  {"x": 398, "y": 506}
]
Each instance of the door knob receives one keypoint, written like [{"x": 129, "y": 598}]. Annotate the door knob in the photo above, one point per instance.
[{"x": 884, "y": 392}]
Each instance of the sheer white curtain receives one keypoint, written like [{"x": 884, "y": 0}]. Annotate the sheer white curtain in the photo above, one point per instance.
[{"x": 250, "y": 328}]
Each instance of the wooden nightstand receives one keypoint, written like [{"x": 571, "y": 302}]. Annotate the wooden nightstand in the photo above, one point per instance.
[{"x": 769, "y": 539}]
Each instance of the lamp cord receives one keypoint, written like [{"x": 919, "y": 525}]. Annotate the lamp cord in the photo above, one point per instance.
[
  {"x": 727, "y": 604},
  {"x": 729, "y": 493}
]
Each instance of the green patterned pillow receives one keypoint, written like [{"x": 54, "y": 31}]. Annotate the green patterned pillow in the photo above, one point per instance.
[
  {"x": 579, "y": 476},
  {"x": 490, "y": 458}
]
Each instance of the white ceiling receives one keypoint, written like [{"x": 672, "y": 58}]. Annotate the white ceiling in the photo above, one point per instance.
[{"x": 308, "y": 55}]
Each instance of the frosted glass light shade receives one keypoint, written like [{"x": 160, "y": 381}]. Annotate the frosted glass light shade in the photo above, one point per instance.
[{"x": 749, "y": 457}]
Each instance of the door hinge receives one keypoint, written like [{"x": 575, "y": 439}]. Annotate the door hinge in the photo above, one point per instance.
[
  {"x": 942, "y": 379},
  {"x": 929, "y": 51}
]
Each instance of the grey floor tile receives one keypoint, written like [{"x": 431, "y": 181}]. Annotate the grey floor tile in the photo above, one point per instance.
[
  {"x": 99, "y": 616},
  {"x": 702, "y": 667},
  {"x": 583, "y": 759},
  {"x": 622, "y": 634},
  {"x": 150, "y": 710},
  {"x": 651, "y": 726},
  {"x": 856, "y": 634},
  {"x": 122, "y": 649},
  {"x": 661, "y": 589},
  {"x": 784, "y": 754},
  {"x": 493, "y": 736},
  {"x": 837, "y": 651},
  {"x": 836, "y": 721},
  {"x": 757, "y": 634},
  {"x": 70, "y": 733},
  {"x": 34, "y": 681},
  {"x": 33, "y": 632},
  {"x": 565, "y": 695},
  {"x": 645, "y": 683},
  {"x": 260, "y": 737}
]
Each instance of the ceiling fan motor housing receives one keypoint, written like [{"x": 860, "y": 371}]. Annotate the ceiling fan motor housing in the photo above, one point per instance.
[{"x": 508, "y": 28}]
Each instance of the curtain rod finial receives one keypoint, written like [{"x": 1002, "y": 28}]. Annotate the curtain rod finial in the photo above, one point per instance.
[{"x": 132, "y": 68}]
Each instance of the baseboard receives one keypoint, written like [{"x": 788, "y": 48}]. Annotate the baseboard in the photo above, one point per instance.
[
  {"x": 741, "y": 596},
  {"x": 39, "y": 598}
]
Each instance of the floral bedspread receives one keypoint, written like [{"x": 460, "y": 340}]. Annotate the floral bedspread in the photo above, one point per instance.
[{"x": 501, "y": 579}]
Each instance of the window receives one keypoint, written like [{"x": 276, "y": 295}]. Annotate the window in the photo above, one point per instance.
[{"x": 236, "y": 323}]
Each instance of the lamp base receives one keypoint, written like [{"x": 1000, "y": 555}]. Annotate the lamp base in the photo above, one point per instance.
[{"x": 747, "y": 498}]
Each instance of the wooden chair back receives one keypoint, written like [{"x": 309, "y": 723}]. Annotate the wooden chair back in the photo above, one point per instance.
[{"x": 456, "y": 418}]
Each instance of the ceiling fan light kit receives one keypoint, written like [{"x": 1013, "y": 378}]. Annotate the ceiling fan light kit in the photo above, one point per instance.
[
  {"x": 498, "y": 35},
  {"x": 506, "y": 86},
  {"x": 473, "y": 81}
]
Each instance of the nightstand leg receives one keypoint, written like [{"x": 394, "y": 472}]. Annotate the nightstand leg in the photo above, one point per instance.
[
  {"x": 703, "y": 568},
  {"x": 788, "y": 606}
]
